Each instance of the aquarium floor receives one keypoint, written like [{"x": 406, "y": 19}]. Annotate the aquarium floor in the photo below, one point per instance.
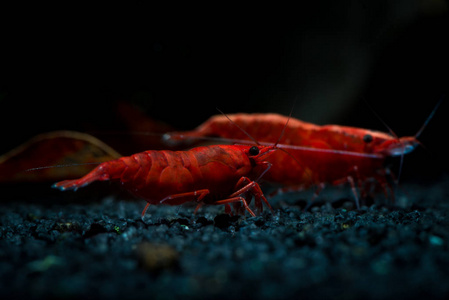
[{"x": 94, "y": 245}]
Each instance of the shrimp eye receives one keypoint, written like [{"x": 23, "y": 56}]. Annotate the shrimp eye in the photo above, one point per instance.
[
  {"x": 368, "y": 138},
  {"x": 254, "y": 150}
]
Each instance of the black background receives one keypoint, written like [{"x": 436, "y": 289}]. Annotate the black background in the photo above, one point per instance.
[{"x": 66, "y": 66}]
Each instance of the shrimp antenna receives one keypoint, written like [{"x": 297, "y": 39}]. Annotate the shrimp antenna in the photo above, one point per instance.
[
  {"x": 381, "y": 120},
  {"x": 401, "y": 163},
  {"x": 286, "y": 123},
  {"x": 249, "y": 135},
  {"x": 419, "y": 132},
  {"x": 61, "y": 166},
  {"x": 282, "y": 133},
  {"x": 429, "y": 118}
]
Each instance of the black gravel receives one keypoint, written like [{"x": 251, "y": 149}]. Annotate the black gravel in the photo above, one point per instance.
[{"x": 71, "y": 247}]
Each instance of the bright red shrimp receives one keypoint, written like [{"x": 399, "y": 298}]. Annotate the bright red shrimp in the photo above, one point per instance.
[
  {"x": 208, "y": 175},
  {"x": 319, "y": 155}
]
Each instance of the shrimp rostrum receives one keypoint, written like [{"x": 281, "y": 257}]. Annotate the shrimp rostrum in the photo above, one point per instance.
[{"x": 220, "y": 174}]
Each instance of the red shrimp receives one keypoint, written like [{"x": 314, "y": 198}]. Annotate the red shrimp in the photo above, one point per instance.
[
  {"x": 319, "y": 155},
  {"x": 208, "y": 175}
]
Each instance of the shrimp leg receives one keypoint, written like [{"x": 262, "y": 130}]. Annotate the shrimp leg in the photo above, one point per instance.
[
  {"x": 254, "y": 188},
  {"x": 251, "y": 187},
  {"x": 201, "y": 193}
]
